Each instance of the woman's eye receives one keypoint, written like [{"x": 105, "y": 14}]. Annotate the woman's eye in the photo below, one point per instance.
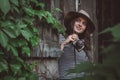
[{"x": 84, "y": 23}]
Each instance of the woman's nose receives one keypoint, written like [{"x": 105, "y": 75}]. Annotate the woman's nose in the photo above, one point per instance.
[{"x": 80, "y": 24}]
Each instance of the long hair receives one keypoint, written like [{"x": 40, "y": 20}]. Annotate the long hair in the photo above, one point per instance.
[{"x": 85, "y": 35}]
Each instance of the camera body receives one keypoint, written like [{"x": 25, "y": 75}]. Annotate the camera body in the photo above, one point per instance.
[{"x": 80, "y": 44}]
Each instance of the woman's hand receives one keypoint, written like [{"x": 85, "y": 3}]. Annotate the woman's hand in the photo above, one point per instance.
[
  {"x": 73, "y": 37},
  {"x": 70, "y": 38}
]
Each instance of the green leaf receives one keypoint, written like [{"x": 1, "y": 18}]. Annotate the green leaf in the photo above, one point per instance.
[
  {"x": 23, "y": 2},
  {"x": 56, "y": 10},
  {"x": 41, "y": 5},
  {"x": 7, "y": 23},
  {"x": 11, "y": 29},
  {"x": 14, "y": 42},
  {"x": 49, "y": 18},
  {"x": 3, "y": 65},
  {"x": 40, "y": 14},
  {"x": 15, "y": 67},
  {"x": 28, "y": 19},
  {"x": 16, "y": 9},
  {"x": 21, "y": 25},
  {"x": 26, "y": 50},
  {"x": 1, "y": 52},
  {"x": 3, "y": 39},
  {"x": 19, "y": 60},
  {"x": 14, "y": 50},
  {"x": 34, "y": 40},
  {"x": 29, "y": 11},
  {"x": 14, "y": 2},
  {"x": 83, "y": 67},
  {"x": 105, "y": 31},
  {"x": 22, "y": 78},
  {"x": 8, "y": 78},
  {"x": 33, "y": 64},
  {"x": 35, "y": 30},
  {"x": 10, "y": 32},
  {"x": 116, "y": 32},
  {"x": 4, "y": 6},
  {"x": 26, "y": 33},
  {"x": 32, "y": 76},
  {"x": 22, "y": 42}
]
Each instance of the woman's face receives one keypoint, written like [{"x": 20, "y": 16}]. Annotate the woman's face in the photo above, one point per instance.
[{"x": 80, "y": 25}]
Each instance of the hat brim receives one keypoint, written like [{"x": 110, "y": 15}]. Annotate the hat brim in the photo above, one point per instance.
[{"x": 73, "y": 15}]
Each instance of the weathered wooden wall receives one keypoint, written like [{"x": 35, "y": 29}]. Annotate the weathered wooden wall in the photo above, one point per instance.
[
  {"x": 108, "y": 14},
  {"x": 46, "y": 68},
  {"x": 47, "y": 53}
]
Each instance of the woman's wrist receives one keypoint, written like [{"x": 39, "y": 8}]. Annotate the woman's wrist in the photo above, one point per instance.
[{"x": 66, "y": 41}]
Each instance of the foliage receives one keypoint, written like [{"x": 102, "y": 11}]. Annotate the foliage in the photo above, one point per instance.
[
  {"x": 18, "y": 34},
  {"x": 110, "y": 68}
]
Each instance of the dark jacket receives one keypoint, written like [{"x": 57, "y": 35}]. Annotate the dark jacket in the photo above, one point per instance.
[{"x": 72, "y": 55}]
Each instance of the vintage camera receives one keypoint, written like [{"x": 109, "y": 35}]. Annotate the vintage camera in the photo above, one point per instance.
[{"x": 80, "y": 44}]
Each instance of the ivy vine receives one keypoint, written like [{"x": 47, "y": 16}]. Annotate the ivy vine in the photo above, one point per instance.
[{"x": 18, "y": 34}]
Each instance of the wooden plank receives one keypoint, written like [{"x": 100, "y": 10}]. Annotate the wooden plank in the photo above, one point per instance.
[{"x": 46, "y": 69}]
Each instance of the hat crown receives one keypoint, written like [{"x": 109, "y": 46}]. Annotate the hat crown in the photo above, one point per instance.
[{"x": 84, "y": 13}]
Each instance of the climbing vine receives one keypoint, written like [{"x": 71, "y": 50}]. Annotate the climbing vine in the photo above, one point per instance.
[{"x": 18, "y": 34}]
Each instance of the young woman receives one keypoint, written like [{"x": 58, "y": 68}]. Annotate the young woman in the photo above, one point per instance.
[{"x": 76, "y": 42}]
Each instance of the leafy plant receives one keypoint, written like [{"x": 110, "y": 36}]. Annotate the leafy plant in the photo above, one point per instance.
[
  {"x": 18, "y": 34},
  {"x": 110, "y": 68}
]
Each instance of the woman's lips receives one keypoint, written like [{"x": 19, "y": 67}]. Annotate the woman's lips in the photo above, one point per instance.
[{"x": 78, "y": 28}]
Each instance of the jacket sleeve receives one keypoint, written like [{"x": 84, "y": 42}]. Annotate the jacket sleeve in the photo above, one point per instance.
[{"x": 61, "y": 38}]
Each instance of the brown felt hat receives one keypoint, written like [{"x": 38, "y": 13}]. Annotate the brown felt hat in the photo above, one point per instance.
[{"x": 73, "y": 15}]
